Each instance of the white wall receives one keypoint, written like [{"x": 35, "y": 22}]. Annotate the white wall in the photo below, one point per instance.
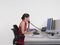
[{"x": 12, "y": 10}]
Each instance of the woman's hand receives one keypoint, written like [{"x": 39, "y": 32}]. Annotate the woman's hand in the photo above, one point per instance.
[{"x": 27, "y": 32}]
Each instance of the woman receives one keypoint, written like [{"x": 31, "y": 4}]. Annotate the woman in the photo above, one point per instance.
[{"x": 23, "y": 27}]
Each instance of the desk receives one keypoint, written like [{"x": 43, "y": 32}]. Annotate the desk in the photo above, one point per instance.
[{"x": 40, "y": 40}]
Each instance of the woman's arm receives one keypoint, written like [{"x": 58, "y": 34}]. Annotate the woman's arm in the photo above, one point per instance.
[{"x": 28, "y": 26}]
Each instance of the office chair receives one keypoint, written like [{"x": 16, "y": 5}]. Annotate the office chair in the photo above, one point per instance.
[{"x": 16, "y": 35}]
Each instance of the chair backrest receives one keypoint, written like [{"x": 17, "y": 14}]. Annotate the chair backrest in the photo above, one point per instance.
[
  {"x": 16, "y": 35},
  {"x": 15, "y": 29}
]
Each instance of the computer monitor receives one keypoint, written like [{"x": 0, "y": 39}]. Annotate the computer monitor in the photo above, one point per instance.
[{"x": 49, "y": 23}]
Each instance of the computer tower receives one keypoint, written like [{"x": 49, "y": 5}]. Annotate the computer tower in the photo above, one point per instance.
[{"x": 57, "y": 24}]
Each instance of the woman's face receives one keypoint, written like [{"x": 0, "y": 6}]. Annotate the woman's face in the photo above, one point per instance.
[{"x": 28, "y": 18}]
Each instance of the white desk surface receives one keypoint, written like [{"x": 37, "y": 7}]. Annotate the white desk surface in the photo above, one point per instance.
[{"x": 30, "y": 38}]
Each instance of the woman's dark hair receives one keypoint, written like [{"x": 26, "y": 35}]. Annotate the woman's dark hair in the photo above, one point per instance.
[{"x": 25, "y": 15}]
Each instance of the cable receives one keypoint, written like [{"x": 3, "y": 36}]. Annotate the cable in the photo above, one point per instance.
[{"x": 35, "y": 26}]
